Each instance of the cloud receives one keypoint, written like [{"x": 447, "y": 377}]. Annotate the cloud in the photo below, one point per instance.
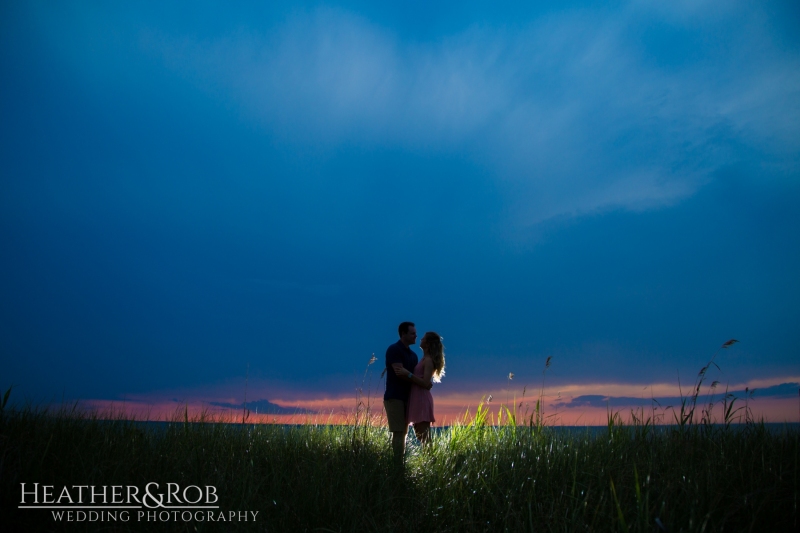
[
  {"x": 571, "y": 113},
  {"x": 265, "y": 407},
  {"x": 783, "y": 390}
]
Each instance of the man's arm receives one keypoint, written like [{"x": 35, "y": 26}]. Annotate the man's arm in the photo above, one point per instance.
[{"x": 402, "y": 373}]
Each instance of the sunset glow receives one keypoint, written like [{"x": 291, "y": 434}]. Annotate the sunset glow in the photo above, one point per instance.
[{"x": 460, "y": 407}]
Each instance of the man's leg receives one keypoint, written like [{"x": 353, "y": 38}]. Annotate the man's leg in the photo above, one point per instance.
[
  {"x": 396, "y": 416},
  {"x": 399, "y": 445}
]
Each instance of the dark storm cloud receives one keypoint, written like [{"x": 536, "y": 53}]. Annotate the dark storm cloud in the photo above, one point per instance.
[
  {"x": 265, "y": 407},
  {"x": 784, "y": 390},
  {"x": 189, "y": 189}
]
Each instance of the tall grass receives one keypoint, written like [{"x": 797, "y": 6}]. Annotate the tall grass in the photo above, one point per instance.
[{"x": 472, "y": 477}]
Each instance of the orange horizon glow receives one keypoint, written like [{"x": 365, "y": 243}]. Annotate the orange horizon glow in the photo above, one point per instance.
[{"x": 458, "y": 407}]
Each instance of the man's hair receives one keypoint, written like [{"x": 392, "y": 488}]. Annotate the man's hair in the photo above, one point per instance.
[{"x": 402, "y": 329}]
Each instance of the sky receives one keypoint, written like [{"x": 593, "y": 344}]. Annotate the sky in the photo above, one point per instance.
[{"x": 205, "y": 204}]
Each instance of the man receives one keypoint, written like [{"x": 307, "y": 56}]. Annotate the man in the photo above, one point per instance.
[{"x": 395, "y": 398}]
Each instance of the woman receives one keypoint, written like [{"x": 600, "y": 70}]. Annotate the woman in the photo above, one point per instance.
[{"x": 429, "y": 371}]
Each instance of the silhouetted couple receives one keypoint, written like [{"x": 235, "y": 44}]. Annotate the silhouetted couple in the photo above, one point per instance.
[{"x": 408, "y": 399}]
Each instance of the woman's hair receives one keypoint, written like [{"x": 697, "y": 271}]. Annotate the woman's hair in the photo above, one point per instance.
[{"x": 436, "y": 351}]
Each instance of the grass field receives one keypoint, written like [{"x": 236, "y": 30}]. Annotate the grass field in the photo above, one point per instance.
[{"x": 473, "y": 477}]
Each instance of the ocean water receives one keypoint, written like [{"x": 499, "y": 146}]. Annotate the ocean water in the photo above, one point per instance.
[{"x": 589, "y": 431}]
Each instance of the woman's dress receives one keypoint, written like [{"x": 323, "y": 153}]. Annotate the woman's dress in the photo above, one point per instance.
[{"x": 420, "y": 401}]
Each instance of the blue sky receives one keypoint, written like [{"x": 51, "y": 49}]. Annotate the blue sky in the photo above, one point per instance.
[{"x": 192, "y": 188}]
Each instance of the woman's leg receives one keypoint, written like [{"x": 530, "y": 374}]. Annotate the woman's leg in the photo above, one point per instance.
[{"x": 423, "y": 431}]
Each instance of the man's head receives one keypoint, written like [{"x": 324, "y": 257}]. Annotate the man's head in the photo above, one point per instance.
[{"x": 408, "y": 333}]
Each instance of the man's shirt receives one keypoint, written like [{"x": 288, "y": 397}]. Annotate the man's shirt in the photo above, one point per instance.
[{"x": 396, "y": 388}]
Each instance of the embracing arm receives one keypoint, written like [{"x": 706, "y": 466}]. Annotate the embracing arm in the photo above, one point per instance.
[{"x": 404, "y": 374}]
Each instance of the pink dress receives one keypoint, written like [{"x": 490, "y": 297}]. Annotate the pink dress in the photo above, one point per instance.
[{"x": 420, "y": 401}]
